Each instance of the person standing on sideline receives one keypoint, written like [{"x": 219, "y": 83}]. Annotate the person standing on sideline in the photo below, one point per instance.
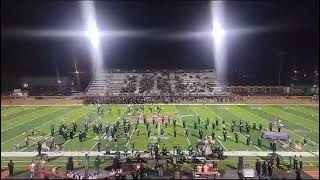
[
  {"x": 258, "y": 168},
  {"x": 10, "y": 167},
  {"x": 278, "y": 162},
  {"x": 97, "y": 165},
  {"x": 264, "y": 169},
  {"x": 298, "y": 172},
  {"x": 39, "y": 148},
  {"x": 290, "y": 162},
  {"x": 300, "y": 162},
  {"x": 270, "y": 169},
  {"x": 86, "y": 165},
  {"x": 32, "y": 170},
  {"x": 295, "y": 162}
]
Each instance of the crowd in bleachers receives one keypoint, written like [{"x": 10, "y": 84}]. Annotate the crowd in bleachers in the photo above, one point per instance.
[
  {"x": 163, "y": 83},
  {"x": 130, "y": 84},
  {"x": 146, "y": 83},
  {"x": 155, "y": 99},
  {"x": 157, "y": 83}
]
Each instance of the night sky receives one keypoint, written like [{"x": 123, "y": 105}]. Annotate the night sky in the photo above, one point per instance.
[{"x": 294, "y": 37}]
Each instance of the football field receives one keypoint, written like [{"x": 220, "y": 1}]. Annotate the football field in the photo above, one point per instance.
[{"x": 18, "y": 121}]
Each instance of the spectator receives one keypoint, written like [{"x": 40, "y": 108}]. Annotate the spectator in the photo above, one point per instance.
[
  {"x": 264, "y": 169},
  {"x": 86, "y": 164},
  {"x": 39, "y": 147},
  {"x": 269, "y": 169},
  {"x": 97, "y": 165},
  {"x": 10, "y": 167},
  {"x": 258, "y": 167},
  {"x": 300, "y": 162},
  {"x": 298, "y": 172},
  {"x": 32, "y": 170}
]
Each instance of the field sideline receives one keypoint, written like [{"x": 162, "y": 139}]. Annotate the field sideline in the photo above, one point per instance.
[
  {"x": 298, "y": 120},
  {"x": 170, "y": 104}
]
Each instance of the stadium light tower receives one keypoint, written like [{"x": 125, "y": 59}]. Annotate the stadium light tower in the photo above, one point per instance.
[
  {"x": 93, "y": 34},
  {"x": 218, "y": 34}
]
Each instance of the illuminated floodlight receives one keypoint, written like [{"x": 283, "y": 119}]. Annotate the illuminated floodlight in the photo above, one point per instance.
[
  {"x": 92, "y": 31},
  {"x": 59, "y": 81},
  {"x": 77, "y": 72},
  {"x": 218, "y": 37},
  {"x": 218, "y": 32},
  {"x": 93, "y": 34}
]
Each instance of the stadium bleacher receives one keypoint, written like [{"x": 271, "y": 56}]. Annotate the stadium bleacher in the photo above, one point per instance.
[{"x": 155, "y": 83}]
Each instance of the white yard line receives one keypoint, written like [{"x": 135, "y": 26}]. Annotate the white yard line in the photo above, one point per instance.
[
  {"x": 28, "y": 105},
  {"x": 263, "y": 117},
  {"x": 121, "y": 115},
  {"x": 300, "y": 136},
  {"x": 209, "y": 128},
  {"x": 132, "y": 132},
  {"x": 285, "y": 144},
  {"x": 23, "y": 115},
  {"x": 41, "y": 116},
  {"x": 295, "y": 123},
  {"x": 296, "y": 115},
  {"x": 74, "y": 135},
  {"x": 239, "y": 133},
  {"x": 159, "y": 124},
  {"x": 66, "y": 142},
  {"x": 187, "y": 115},
  {"x": 283, "y": 127},
  {"x": 181, "y": 125},
  {"x": 304, "y": 111},
  {"x": 134, "y": 128},
  {"x": 46, "y": 137},
  {"x": 10, "y": 112},
  {"x": 42, "y": 124},
  {"x": 250, "y": 142},
  {"x": 212, "y": 112},
  {"x": 222, "y": 145},
  {"x": 13, "y": 110},
  {"x": 97, "y": 141}
]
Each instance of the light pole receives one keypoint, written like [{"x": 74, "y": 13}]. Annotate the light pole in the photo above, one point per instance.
[
  {"x": 78, "y": 79},
  {"x": 59, "y": 82},
  {"x": 280, "y": 57}
]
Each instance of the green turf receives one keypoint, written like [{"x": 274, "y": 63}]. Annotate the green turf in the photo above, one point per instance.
[{"x": 17, "y": 122}]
